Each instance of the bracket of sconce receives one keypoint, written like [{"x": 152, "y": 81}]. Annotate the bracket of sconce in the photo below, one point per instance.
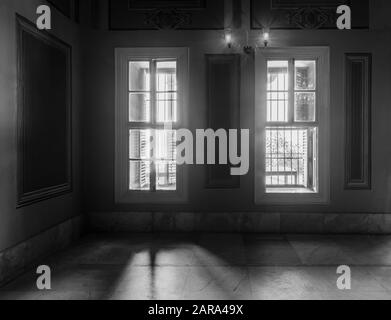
[{"x": 248, "y": 49}]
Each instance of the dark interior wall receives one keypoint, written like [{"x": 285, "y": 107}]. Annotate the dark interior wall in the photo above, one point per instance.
[
  {"x": 100, "y": 110},
  {"x": 20, "y": 224}
]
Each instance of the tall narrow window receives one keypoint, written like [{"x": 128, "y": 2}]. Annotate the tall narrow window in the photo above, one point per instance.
[
  {"x": 292, "y": 125},
  {"x": 150, "y": 108},
  {"x": 291, "y": 132}
]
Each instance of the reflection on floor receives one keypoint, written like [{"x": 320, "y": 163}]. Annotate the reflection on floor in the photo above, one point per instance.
[{"x": 213, "y": 266}]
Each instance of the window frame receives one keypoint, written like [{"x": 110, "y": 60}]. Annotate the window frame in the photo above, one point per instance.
[
  {"x": 322, "y": 56},
  {"x": 122, "y": 124}
]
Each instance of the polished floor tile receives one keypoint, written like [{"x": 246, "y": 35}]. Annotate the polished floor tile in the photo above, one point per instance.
[
  {"x": 212, "y": 267},
  {"x": 319, "y": 250},
  {"x": 217, "y": 283},
  {"x": 271, "y": 253}
]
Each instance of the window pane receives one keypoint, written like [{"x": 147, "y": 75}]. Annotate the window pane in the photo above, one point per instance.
[
  {"x": 166, "y": 175},
  {"x": 166, "y": 76},
  {"x": 277, "y": 96},
  {"x": 165, "y": 144},
  {"x": 305, "y": 75},
  {"x": 291, "y": 157},
  {"x": 139, "y": 144},
  {"x": 277, "y": 75},
  {"x": 139, "y": 76},
  {"x": 305, "y": 106},
  {"x": 166, "y": 107},
  {"x": 139, "y": 107},
  {"x": 139, "y": 175}
]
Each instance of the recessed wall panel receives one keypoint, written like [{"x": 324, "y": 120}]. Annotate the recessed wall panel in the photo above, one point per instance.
[
  {"x": 223, "y": 92},
  {"x": 44, "y": 115},
  {"x": 358, "y": 121}
]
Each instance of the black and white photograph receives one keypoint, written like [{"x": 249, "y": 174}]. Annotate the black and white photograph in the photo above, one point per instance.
[{"x": 205, "y": 154}]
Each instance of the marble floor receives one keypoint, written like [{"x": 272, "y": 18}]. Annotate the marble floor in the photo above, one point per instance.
[{"x": 213, "y": 266}]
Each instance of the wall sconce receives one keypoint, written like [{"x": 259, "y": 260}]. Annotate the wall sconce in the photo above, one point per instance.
[
  {"x": 247, "y": 48},
  {"x": 228, "y": 38},
  {"x": 266, "y": 37}
]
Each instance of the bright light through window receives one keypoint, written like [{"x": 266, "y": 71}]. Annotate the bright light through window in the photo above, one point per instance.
[
  {"x": 152, "y": 103},
  {"x": 292, "y": 131}
]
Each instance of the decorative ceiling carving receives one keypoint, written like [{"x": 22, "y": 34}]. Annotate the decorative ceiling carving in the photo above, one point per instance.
[
  {"x": 311, "y": 18},
  {"x": 168, "y": 19},
  {"x": 163, "y": 4},
  {"x": 175, "y": 14},
  {"x": 302, "y": 14},
  {"x": 289, "y": 4}
]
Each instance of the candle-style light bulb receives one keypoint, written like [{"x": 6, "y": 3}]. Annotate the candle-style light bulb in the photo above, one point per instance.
[
  {"x": 228, "y": 39},
  {"x": 266, "y": 38}
]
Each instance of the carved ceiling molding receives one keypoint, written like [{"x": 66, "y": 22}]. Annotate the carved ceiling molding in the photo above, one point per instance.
[
  {"x": 305, "y": 14},
  {"x": 167, "y": 14},
  {"x": 162, "y": 4},
  {"x": 168, "y": 19},
  {"x": 310, "y": 18}
]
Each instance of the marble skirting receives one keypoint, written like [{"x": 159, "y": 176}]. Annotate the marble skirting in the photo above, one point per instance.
[
  {"x": 317, "y": 223},
  {"x": 16, "y": 260}
]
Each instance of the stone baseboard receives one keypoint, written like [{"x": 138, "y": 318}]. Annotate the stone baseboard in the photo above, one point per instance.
[
  {"x": 18, "y": 259},
  {"x": 317, "y": 223}
]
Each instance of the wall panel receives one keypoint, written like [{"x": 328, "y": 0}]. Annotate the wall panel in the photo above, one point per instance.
[
  {"x": 358, "y": 121},
  {"x": 223, "y": 92},
  {"x": 44, "y": 115}
]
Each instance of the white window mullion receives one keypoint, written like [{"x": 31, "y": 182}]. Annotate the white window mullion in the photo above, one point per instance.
[
  {"x": 153, "y": 121},
  {"x": 291, "y": 90}
]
